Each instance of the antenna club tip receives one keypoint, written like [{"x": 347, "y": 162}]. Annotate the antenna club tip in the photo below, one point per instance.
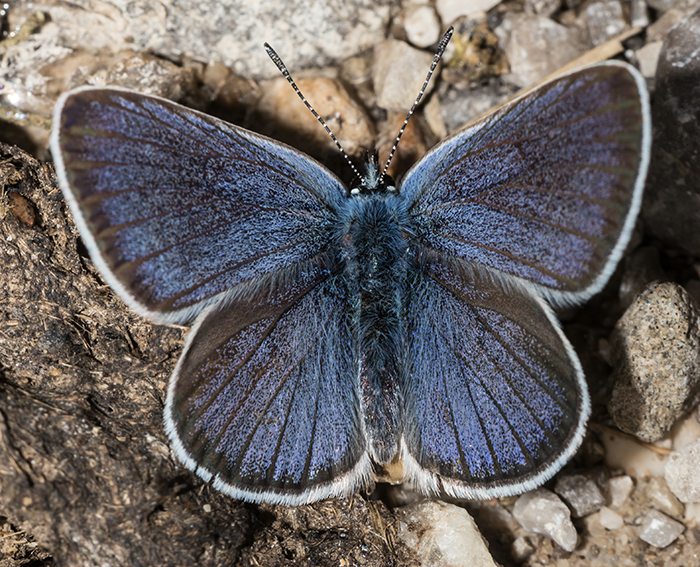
[{"x": 447, "y": 36}]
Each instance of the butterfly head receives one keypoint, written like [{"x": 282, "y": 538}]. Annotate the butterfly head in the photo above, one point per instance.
[{"x": 373, "y": 181}]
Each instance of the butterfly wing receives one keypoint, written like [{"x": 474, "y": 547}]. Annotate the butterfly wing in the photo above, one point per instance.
[
  {"x": 547, "y": 188},
  {"x": 495, "y": 397},
  {"x": 178, "y": 208},
  {"x": 264, "y": 400}
]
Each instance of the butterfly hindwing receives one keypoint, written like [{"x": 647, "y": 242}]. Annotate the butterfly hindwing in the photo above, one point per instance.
[
  {"x": 547, "y": 188},
  {"x": 178, "y": 208},
  {"x": 495, "y": 396},
  {"x": 264, "y": 401}
]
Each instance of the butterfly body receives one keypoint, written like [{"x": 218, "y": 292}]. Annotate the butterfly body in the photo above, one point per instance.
[
  {"x": 338, "y": 329},
  {"x": 376, "y": 262}
]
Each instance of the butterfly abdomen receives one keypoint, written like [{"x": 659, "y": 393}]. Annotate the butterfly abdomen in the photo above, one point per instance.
[{"x": 375, "y": 266}]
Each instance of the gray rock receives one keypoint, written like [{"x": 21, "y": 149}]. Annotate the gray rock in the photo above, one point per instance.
[
  {"x": 443, "y": 535},
  {"x": 619, "y": 490},
  {"x": 683, "y": 473},
  {"x": 603, "y": 19},
  {"x": 398, "y": 73},
  {"x": 542, "y": 512},
  {"x": 527, "y": 41},
  {"x": 659, "y": 530},
  {"x": 672, "y": 202},
  {"x": 421, "y": 24},
  {"x": 581, "y": 494},
  {"x": 656, "y": 353}
]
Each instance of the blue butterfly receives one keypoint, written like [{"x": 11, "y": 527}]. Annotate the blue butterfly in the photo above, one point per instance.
[{"x": 341, "y": 331}]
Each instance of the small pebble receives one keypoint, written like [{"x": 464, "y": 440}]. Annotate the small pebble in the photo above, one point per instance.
[
  {"x": 610, "y": 519},
  {"x": 619, "y": 490},
  {"x": 542, "y": 512},
  {"x": 658, "y": 529},
  {"x": 656, "y": 349},
  {"x": 580, "y": 493},
  {"x": 683, "y": 473},
  {"x": 443, "y": 535},
  {"x": 421, "y": 25}
]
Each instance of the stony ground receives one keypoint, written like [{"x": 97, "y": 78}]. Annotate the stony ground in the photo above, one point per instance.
[{"x": 86, "y": 477}]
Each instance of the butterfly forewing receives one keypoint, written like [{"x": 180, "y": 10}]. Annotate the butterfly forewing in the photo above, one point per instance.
[
  {"x": 495, "y": 396},
  {"x": 264, "y": 400},
  {"x": 545, "y": 189},
  {"x": 176, "y": 207}
]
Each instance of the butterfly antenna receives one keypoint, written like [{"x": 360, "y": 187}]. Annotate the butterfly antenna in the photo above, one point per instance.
[
  {"x": 436, "y": 59},
  {"x": 286, "y": 74}
]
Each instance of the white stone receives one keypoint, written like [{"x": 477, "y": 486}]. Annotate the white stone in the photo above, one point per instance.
[
  {"x": 398, "y": 74},
  {"x": 610, "y": 519},
  {"x": 542, "y": 512},
  {"x": 659, "y": 530},
  {"x": 421, "y": 25},
  {"x": 648, "y": 57},
  {"x": 450, "y": 10},
  {"x": 619, "y": 489},
  {"x": 443, "y": 535},
  {"x": 683, "y": 473}
]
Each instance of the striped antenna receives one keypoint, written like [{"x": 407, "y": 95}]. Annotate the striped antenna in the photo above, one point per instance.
[
  {"x": 285, "y": 73},
  {"x": 436, "y": 59}
]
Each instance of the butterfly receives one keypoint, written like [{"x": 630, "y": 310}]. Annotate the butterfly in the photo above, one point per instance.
[{"x": 338, "y": 331}]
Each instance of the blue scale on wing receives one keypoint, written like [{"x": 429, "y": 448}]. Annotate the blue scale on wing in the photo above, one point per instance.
[
  {"x": 541, "y": 189},
  {"x": 184, "y": 207},
  {"x": 493, "y": 395}
]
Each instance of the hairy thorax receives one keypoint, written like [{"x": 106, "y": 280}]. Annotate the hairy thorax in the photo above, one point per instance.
[{"x": 375, "y": 261}]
